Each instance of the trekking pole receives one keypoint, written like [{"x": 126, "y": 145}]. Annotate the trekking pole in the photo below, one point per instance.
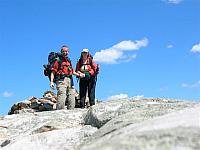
[
  {"x": 77, "y": 79},
  {"x": 97, "y": 72}
]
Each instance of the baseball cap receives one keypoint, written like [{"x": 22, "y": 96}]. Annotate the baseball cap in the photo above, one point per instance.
[{"x": 85, "y": 50}]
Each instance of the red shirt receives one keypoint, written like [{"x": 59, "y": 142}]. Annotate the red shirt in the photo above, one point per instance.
[
  {"x": 63, "y": 67},
  {"x": 91, "y": 66}
]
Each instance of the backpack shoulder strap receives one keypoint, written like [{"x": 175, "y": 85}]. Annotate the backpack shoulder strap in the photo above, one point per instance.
[
  {"x": 59, "y": 57},
  {"x": 80, "y": 62},
  {"x": 90, "y": 59},
  {"x": 69, "y": 59}
]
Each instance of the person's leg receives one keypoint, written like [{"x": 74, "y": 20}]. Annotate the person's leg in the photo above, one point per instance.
[
  {"x": 70, "y": 96},
  {"x": 91, "y": 90},
  {"x": 61, "y": 94},
  {"x": 83, "y": 84}
]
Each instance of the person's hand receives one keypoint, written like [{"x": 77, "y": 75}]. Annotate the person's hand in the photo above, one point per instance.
[
  {"x": 52, "y": 85},
  {"x": 81, "y": 75}
]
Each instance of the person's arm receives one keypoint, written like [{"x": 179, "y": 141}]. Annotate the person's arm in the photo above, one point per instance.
[
  {"x": 52, "y": 76},
  {"x": 53, "y": 71},
  {"x": 76, "y": 74},
  {"x": 52, "y": 79},
  {"x": 95, "y": 67},
  {"x": 79, "y": 74}
]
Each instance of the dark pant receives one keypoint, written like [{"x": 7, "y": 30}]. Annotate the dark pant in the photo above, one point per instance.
[{"x": 84, "y": 86}]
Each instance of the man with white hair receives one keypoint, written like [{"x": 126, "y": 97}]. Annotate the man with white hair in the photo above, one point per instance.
[{"x": 62, "y": 71}]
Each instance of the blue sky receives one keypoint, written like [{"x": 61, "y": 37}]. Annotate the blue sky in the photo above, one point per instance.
[{"x": 147, "y": 48}]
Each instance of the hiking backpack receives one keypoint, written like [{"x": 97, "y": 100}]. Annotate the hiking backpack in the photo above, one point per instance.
[{"x": 52, "y": 57}]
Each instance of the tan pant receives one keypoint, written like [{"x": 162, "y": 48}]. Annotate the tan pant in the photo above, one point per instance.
[{"x": 65, "y": 92}]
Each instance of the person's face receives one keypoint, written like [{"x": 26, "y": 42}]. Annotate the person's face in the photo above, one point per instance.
[
  {"x": 84, "y": 54},
  {"x": 65, "y": 51}
]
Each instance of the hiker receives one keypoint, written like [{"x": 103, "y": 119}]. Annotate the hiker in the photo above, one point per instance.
[
  {"x": 87, "y": 66},
  {"x": 61, "y": 73}
]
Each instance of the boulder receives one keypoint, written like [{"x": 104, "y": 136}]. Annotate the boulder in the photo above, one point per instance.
[
  {"x": 121, "y": 124},
  {"x": 176, "y": 130},
  {"x": 33, "y": 104}
]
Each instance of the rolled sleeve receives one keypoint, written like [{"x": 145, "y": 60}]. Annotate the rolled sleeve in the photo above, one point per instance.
[
  {"x": 55, "y": 66},
  {"x": 94, "y": 66}
]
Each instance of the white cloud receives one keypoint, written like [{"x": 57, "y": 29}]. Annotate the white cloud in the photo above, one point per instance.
[
  {"x": 116, "y": 54},
  {"x": 7, "y": 94},
  {"x": 173, "y": 1},
  {"x": 129, "y": 45},
  {"x": 184, "y": 85},
  {"x": 170, "y": 46},
  {"x": 127, "y": 58},
  {"x": 194, "y": 85},
  {"x": 119, "y": 96},
  {"x": 195, "y": 48}
]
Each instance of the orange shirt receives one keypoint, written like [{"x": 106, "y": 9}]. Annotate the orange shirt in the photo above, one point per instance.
[{"x": 63, "y": 67}]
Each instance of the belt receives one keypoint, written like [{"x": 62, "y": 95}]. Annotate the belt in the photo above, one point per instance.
[
  {"x": 68, "y": 76},
  {"x": 61, "y": 77}
]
